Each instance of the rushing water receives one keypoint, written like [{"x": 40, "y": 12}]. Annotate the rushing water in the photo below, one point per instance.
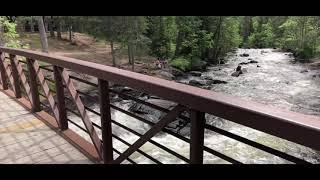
[{"x": 277, "y": 82}]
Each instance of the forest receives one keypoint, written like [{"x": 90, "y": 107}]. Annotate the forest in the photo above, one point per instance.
[{"x": 186, "y": 42}]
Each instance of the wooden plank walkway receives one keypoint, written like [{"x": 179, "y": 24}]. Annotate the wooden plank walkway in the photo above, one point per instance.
[{"x": 24, "y": 139}]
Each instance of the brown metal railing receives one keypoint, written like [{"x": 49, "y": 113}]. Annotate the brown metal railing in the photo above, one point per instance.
[{"x": 25, "y": 77}]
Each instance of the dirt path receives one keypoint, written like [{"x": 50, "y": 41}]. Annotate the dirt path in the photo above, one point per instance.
[{"x": 85, "y": 48}]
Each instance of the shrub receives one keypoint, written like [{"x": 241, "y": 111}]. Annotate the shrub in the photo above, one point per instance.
[{"x": 181, "y": 63}]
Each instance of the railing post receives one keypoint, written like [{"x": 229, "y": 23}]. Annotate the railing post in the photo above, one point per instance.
[
  {"x": 63, "y": 122},
  {"x": 15, "y": 76},
  {"x": 105, "y": 121},
  {"x": 197, "y": 136},
  {"x": 3, "y": 73},
  {"x": 33, "y": 86}
]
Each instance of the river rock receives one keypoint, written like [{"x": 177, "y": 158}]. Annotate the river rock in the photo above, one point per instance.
[
  {"x": 216, "y": 81},
  {"x": 238, "y": 68},
  {"x": 195, "y": 73},
  {"x": 221, "y": 61},
  {"x": 236, "y": 74},
  {"x": 206, "y": 77},
  {"x": 253, "y": 61},
  {"x": 244, "y": 70},
  {"x": 244, "y": 55},
  {"x": 196, "y": 83},
  {"x": 176, "y": 72},
  {"x": 304, "y": 71},
  {"x": 164, "y": 74},
  {"x": 242, "y": 63},
  {"x": 258, "y": 66},
  {"x": 180, "y": 126}
]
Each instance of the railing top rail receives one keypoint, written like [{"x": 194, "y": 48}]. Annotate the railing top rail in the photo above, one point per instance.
[{"x": 296, "y": 127}]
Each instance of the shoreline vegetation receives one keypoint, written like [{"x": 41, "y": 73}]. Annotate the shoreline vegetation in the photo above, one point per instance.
[{"x": 181, "y": 44}]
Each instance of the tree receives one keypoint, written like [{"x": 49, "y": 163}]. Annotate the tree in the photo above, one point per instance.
[
  {"x": 161, "y": 31},
  {"x": 51, "y": 27},
  {"x": 43, "y": 35},
  {"x": 8, "y": 34}
]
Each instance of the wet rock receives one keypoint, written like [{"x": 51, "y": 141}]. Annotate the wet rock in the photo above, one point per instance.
[
  {"x": 180, "y": 126},
  {"x": 196, "y": 83},
  {"x": 258, "y": 66},
  {"x": 216, "y": 81},
  {"x": 126, "y": 90},
  {"x": 244, "y": 70},
  {"x": 263, "y": 51},
  {"x": 253, "y": 61},
  {"x": 304, "y": 71},
  {"x": 176, "y": 72},
  {"x": 221, "y": 61},
  {"x": 244, "y": 55},
  {"x": 243, "y": 63},
  {"x": 206, "y": 77},
  {"x": 144, "y": 109},
  {"x": 236, "y": 74},
  {"x": 238, "y": 68},
  {"x": 195, "y": 73},
  {"x": 215, "y": 69}
]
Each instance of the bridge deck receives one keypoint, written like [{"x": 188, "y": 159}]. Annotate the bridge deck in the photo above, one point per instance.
[{"x": 24, "y": 139}]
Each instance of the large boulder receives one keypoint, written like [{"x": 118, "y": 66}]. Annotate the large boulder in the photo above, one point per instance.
[
  {"x": 195, "y": 73},
  {"x": 176, "y": 72},
  {"x": 199, "y": 66},
  {"x": 164, "y": 74},
  {"x": 180, "y": 126}
]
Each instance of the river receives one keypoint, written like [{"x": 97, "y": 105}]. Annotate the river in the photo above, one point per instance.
[{"x": 278, "y": 81}]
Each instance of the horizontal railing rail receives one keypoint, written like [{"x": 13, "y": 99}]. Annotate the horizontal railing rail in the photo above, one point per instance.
[{"x": 298, "y": 128}]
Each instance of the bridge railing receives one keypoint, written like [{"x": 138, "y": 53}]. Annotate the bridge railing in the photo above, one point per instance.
[{"x": 47, "y": 82}]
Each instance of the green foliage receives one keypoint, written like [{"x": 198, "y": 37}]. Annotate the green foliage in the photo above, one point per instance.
[
  {"x": 230, "y": 36},
  {"x": 262, "y": 36},
  {"x": 162, "y": 33},
  {"x": 9, "y": 37},
  {"x": 192, "y": 39},
  {"x": 181, "y": 63}
]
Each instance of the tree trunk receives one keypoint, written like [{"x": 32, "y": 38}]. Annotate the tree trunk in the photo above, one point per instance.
[
  {"x": 247, "y": 28},
  {"x": 129, "y": 53},
  {"x": 178, "y": 44},
  {"x": 43, "y": 36},
  {"x": 58, "y": 24},
  {"x": 70, "y": 34},
  {"x": 132, "y": 58},
  {"x": 51, "y": 28},
  {"x": 31, "y": 25},
  {"x": 112, "y": 53},
  {"x": 45, "y": 24}
]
